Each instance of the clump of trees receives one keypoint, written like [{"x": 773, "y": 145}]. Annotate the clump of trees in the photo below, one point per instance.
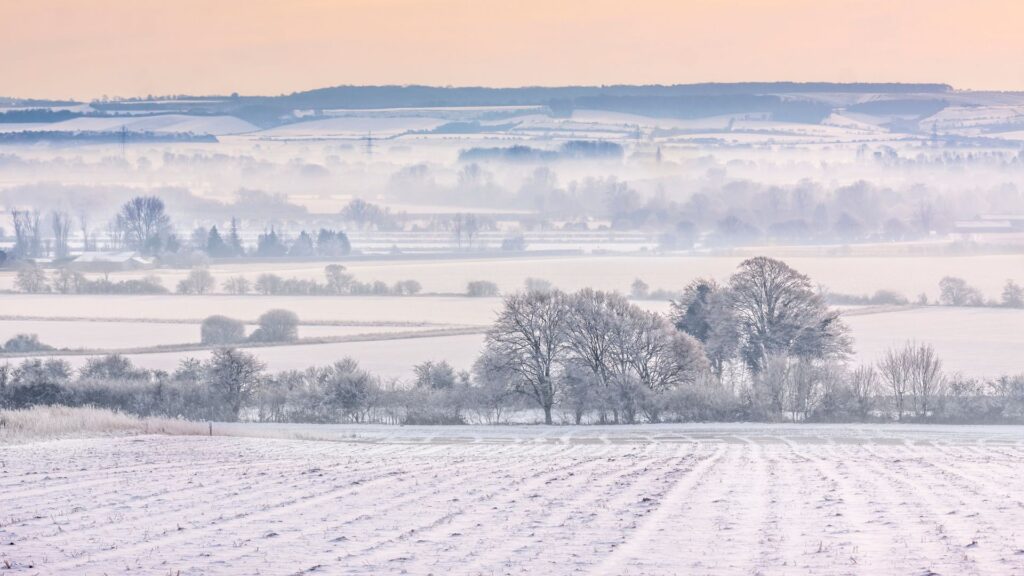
[
  {"x": 33, "y": 280},
  {"x": 198, "y": 281},
  {"x": 21, "y": 343},
  {"x": 481, "y": 289},
  {"x": 543, "y": 339},
  {"x": 337, "y": 282},
  {"x": 762, "y": 346},
  {"x": 276, "y": 326},
  {"x": 221, "y": 331}
]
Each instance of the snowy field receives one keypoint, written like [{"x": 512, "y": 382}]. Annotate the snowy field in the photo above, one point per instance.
[
  {"x": 665, "y": 499},
  {"x": 852, "y": 275},
  {"x": 976, "y": 342}
]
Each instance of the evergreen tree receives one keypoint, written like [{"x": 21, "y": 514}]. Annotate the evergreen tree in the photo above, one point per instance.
[{"x": 215, "y": 245}]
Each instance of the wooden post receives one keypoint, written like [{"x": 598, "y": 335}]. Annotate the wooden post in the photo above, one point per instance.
[{"x": 211, "y": 428}]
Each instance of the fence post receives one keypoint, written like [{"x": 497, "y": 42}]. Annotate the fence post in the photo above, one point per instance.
[{"x": 211, "y": 428}]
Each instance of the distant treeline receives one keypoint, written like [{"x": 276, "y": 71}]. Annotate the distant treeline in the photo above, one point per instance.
[
  {"x": 100, "y": 137},
  {"x": 572, "y": 150},
  {"x": 762, "y": 347},
  {"x": 679, "y": 101},
  {"x": 37, "y": 115}
]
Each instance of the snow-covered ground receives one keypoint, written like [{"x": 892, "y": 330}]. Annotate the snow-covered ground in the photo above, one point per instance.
[{"x": 667, "y": 499}]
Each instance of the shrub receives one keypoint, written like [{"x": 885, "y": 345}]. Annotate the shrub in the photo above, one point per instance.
[
  {"x": 25, "y": 343},
  {"x": 406, "y": 288},
  {"x": 237, "y": 285},
  {"x": 481, "y": 288},
  {"x": 276, "y": 326},
  {"x": 220, "y": 330},
  {"x": 199, "y": 281},
  {"x": 956, "y": 292},
  {"x": 538, "y": 285},
  {"x": 31, "y": 279}
]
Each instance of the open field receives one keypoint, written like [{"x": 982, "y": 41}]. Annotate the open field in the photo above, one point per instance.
[
  {"x": 354, "y": 309},
  {"x": 386, "y": 357},
  {"x": 99, "y": 334},
  {"x": 855, "y": 275},
  {"x": 662, "y": 499},
  {"x": 978, "y": 342}
]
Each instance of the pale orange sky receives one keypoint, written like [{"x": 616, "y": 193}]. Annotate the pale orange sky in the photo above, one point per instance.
[{"x": 88, "y": 48}]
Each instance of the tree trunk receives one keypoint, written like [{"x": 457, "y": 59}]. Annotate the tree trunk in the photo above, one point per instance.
[{"x": 547, "y": 413}]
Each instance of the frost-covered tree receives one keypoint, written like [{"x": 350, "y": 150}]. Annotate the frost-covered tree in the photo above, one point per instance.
[
  {"x": 237, "y": 285},
  {"x": 233, "y": 375},
  {"x": 221, "y": 330},
  {"x": 955, "y": 291},
  {"x": 198, "y": 281},
  {"x": 528, "y": 340},
  {"x": 1013, "y": 295},
  {"x": 31, "y": 279},
  {"x": 276, "y": 326},
  {"x": 144, "y": 223},
  {"x": 779, "y": 312},
  {"x": 896, "y": 370},
  {"x": 704, "y": 311}
]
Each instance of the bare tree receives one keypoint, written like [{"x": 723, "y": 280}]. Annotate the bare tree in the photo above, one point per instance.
[
  {"x": 31, "y": 279},
  {"x": 926, "y": 377},
  {"x": 83, "y": 225},
  {"x": 471, "y": 229},
  {"x": 458, "y": 227},
  {"x": 590, "y": 329},
  {"x": 895, "y": 369},
  {"x": 234, "y": 375},
  {"x": 61, "y": 224},
  {"x": 528, "y": 339},
  {"x": 660, "y": 357},
  {"x": 144, "y": 222},
  {"x": 955, "y": 291},
  {"x": 27, "y": 235},
  {"x": 198, "y": 281},
  {"x": 237, "y": 285},
  {"x": 863, "y": 382}
]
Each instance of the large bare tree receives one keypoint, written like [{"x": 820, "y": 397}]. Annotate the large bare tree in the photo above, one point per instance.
[
  {"x": 27, "y": 235},
  {"x": 144, "y": 221},
  {"x": 528, "y": 340},
  {"x": 61, "y": 226},
  {"x": 780, "y": 313}
]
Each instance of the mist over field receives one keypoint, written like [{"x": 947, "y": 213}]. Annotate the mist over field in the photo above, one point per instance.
[{"x": 741, "y": 328}]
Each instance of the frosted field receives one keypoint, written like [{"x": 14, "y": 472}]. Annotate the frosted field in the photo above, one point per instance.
[
  {"x": 387, "y": 358},
  {"x": 107, "y": 335},
  {"x": 981, "y": 342},
  {"x": 856, "y": 275},
  {"x": 438, "y": 310},
  {"x": 978, "y": 342},
  {"x": 666, "y": 499}
]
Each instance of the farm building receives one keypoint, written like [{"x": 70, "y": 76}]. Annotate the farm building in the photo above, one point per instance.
[{"x": 110, "y": 262}]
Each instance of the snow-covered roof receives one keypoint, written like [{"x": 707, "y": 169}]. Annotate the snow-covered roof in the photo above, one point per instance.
[{"x": 110, "y": 258}]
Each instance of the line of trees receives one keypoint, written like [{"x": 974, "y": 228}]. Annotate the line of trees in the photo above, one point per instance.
[
  {"x": 762, "y": 347},
  {"x": 908, "y": 384},
  {"x": 143, "y": 224}
]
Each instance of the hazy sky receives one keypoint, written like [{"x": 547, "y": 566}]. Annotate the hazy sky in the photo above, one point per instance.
[{"x": 87, "y": 48}]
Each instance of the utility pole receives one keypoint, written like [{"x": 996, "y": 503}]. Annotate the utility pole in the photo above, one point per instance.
[{"x": 369, "y": 143}]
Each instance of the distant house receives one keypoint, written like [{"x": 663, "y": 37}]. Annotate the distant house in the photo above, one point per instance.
[
  {"x": 109, "y": 262},
  {"x": 991, "y": 228}
]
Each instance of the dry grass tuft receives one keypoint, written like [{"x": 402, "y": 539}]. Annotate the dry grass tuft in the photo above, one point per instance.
[{"x": 44, "y": 422}]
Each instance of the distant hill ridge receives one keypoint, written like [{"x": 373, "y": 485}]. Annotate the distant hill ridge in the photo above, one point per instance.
[{"x": 803, "y": 102}]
